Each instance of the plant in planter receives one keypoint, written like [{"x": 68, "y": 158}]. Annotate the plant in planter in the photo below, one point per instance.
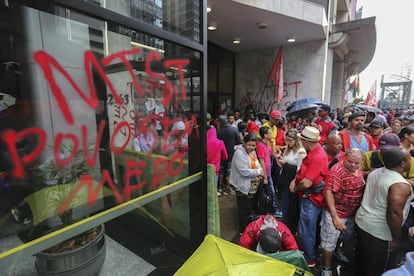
[{"x": 80, "y": 255}]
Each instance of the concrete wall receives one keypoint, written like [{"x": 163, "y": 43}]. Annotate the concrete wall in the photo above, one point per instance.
[{"x": 303, "y": 76}]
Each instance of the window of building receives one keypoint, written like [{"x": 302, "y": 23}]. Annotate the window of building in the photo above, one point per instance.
[{"x": 99, "y": 123}]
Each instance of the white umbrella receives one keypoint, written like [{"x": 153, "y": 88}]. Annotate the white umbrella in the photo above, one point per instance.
[{"x": 6, "y": 101}]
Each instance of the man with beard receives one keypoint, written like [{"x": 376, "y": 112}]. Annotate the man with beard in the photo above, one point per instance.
[{"x": 354, "y": 137}]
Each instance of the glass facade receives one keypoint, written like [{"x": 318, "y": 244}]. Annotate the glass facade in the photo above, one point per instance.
[
  {"x": 100, "y": 124},
  {"x": 220, "y": 80}
]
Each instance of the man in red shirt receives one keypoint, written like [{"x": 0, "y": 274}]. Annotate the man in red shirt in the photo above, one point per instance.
[
  {"x": 324, "y": 123},
  {"x": 343, "y": 194},
  {"x": 267, "y": 234},
  {"x": 376, "y": 130},
  {"x": 308, "y": 185}
]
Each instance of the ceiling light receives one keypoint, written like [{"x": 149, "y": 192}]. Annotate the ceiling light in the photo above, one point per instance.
[
  {"x": 261, "y": 25},
  {"x": 208, "y": 9},
  {"x": 212, "y": 27},
  {"x": 291, "y": 40},
  {"x": 236, "y": 41}
]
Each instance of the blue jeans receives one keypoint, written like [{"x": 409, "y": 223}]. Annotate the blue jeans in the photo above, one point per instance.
[
  {"x": 272, "y": 190},
  {"x": 308, "y": 223}
]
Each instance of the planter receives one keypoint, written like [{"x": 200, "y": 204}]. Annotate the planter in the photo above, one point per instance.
[{"x": 85, "y": 260}]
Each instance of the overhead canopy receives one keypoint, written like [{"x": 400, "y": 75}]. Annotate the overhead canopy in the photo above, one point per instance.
[{"x": 357, "y": 40}]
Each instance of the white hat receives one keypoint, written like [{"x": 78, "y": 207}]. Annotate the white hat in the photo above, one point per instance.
[{"x": 310, "y": 133}]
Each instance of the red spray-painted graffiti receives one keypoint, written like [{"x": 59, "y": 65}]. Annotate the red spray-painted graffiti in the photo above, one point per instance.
[
  {"x": 265, "y": 100},
  {"x": 50, "y": 67}
]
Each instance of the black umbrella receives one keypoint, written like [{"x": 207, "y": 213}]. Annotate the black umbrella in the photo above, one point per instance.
[
  {"x": 368, "y": 108},
  {"x": 302, "y": 108},
  {"x": 305, "y": 101}
]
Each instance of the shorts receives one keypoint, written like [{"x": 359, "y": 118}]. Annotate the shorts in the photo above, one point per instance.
[
  {"x": 225, "y": 167},
  {"x": 330, "y": 235}
]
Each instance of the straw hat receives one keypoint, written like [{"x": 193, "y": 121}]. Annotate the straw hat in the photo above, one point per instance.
[{"x": 310, "y": 133}]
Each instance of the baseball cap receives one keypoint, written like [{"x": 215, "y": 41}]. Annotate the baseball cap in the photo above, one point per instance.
[
  {"x": 389, "y": 141},
  {"x": 276, "y": 114},
  {"x": 355, "y": 115},
  {"x": 376, "y": 123},
  {"x": 269, "y": 242},
  {"x": 325, "y": 107}
]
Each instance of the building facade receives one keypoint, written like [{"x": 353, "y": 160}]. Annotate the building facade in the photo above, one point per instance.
[{"x": 331, "y": 43}]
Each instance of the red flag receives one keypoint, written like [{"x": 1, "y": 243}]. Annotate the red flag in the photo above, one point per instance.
[
  {"x": 371, "y": 98},
  {"x": 276, "y": 75},
  {"x": 355, "y": 86}
]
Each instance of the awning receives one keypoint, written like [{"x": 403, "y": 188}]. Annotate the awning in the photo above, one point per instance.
[{"x": 359, "y": 38}]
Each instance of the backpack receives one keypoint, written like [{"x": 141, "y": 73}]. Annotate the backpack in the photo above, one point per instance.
[
  {"x": 264, "y": 200},
  {"x": 375, "y": 160}
]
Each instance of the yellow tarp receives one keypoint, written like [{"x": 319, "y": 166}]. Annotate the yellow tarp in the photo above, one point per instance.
[{"x": 216, "y": 256}]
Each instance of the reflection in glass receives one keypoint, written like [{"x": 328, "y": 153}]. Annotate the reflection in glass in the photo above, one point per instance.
[
  {"x": 80, "y": 94},
  {"x": 180, "y": 17}
]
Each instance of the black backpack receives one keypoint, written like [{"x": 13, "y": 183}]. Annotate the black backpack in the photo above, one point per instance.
[
  {"x": 375, "y": 160},
  {"x": 264, "y": 199}
]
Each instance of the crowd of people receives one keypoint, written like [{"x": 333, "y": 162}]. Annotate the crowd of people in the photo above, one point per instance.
[{"x": 333, "y": 176}]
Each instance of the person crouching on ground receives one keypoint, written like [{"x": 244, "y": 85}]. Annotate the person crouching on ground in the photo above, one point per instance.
[
  {"x": 244, "y": 173},
  {"x": 267, "y": 234}
]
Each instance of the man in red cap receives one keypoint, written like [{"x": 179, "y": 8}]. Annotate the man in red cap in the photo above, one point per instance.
[{"x": 275, "y": 124}]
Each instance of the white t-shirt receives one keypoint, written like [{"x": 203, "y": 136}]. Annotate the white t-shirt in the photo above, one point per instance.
[{"x": 372, "y": 214}]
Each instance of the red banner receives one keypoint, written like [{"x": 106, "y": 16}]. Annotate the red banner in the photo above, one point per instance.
[
  {"x": 371, "y": 98},
  {"x": 276, "y": 75}
]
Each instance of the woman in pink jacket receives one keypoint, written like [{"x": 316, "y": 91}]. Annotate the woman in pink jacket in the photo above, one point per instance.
[{"x": 216, "y": 151}]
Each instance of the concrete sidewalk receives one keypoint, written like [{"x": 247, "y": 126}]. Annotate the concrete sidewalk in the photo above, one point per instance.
[{"x": 118, "y": 261}]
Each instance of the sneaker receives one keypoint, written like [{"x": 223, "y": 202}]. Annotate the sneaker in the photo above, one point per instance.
[
  {"x": 326, "y": 272},
  {"x": 232, "y": 191},
  {"x": 278, "y": 214},
  {"x": 311, "y": 264},
  {"x": 226, "y": 191},
  {"x": 16, "y": 214},
  {"x": 220, "y": 190},
  {"x": 27, "y": 221},
  {"x": 218, "y": 194},
  {"x": 339, "y": 255}
]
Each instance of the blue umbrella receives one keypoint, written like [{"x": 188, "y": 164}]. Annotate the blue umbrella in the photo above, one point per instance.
[
  {"x": 302, "y": 108},
  {"x": 305, "y": 101}
]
